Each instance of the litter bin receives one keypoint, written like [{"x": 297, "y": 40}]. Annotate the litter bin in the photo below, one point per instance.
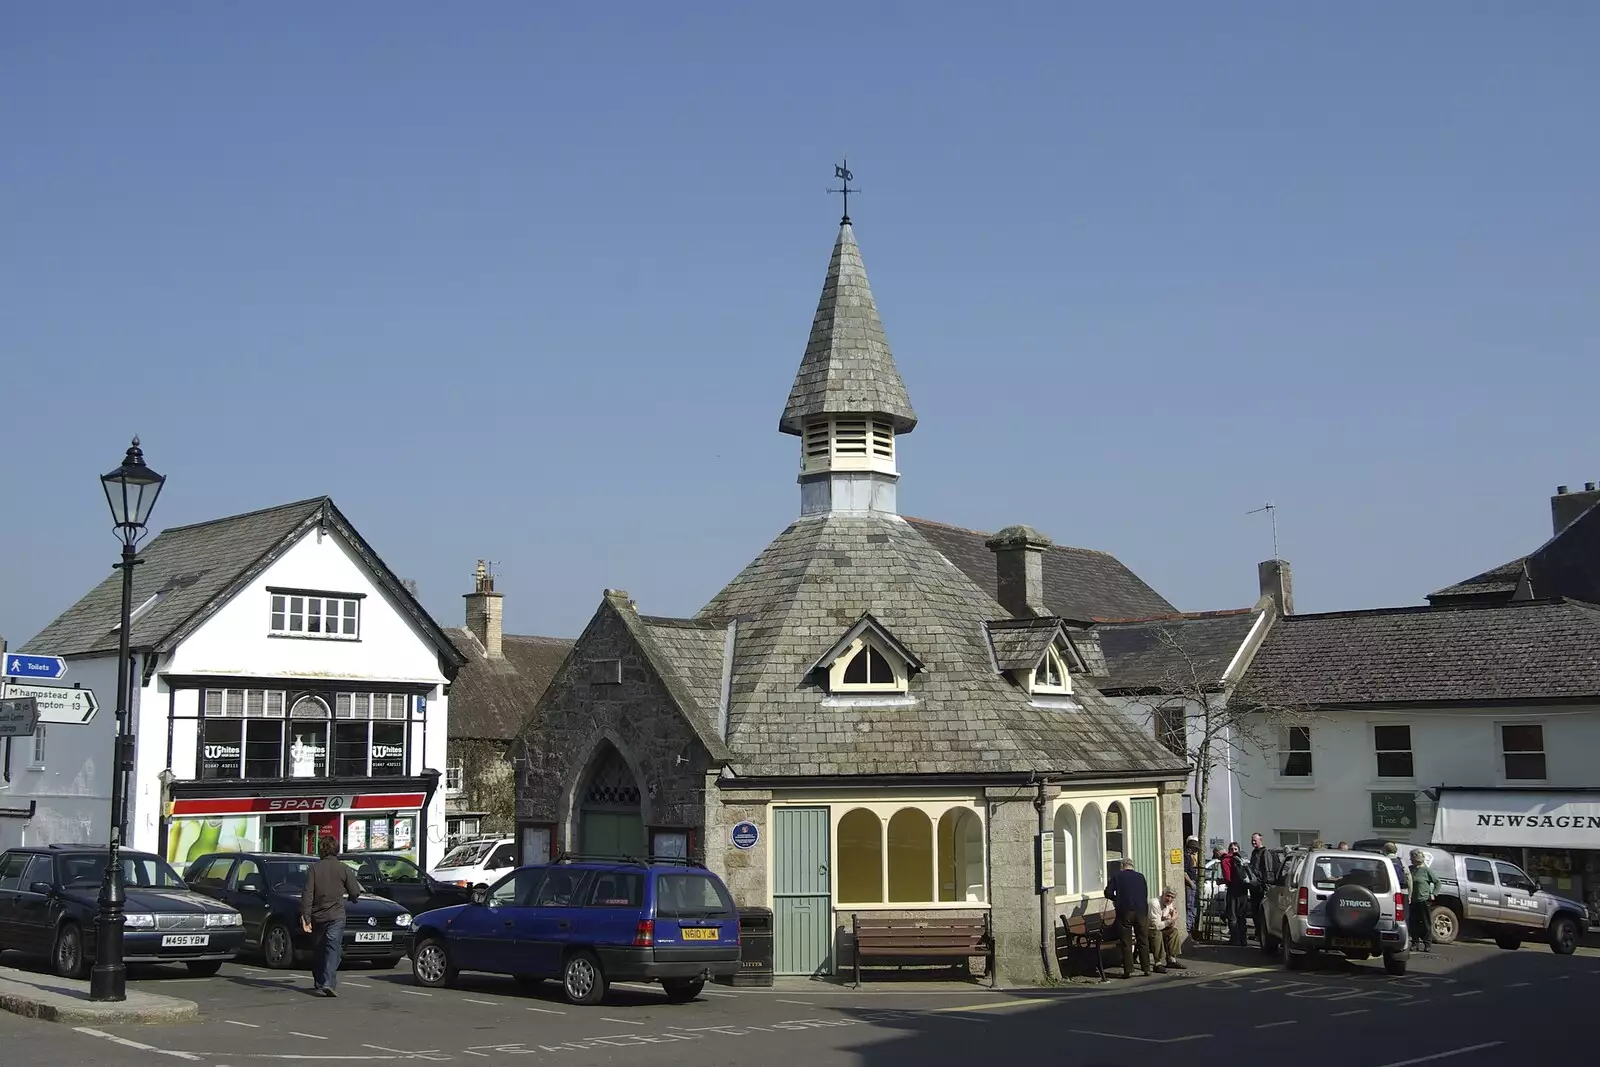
[{"x": 755, "y": 947}]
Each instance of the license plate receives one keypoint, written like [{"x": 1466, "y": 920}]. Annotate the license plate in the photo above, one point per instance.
[
  {"x": 1350, "y": 942},
  {"x": 185, "y": 940},
  {"x": 373, "y": 935},
  {"x": 699, "y": 933}
]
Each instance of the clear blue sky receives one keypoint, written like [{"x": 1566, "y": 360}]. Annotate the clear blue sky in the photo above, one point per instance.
[{"x": 530, "y": 281}]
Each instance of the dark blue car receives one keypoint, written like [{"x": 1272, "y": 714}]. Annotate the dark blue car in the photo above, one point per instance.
[{"x": 587, "y": 923}]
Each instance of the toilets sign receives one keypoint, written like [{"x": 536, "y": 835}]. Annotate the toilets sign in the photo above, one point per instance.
[{"x": 36, "y": 668}]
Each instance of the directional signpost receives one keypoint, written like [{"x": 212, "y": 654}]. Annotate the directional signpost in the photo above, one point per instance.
[
  {"x": 57, "y": 704},
  {"x": 19, "y": 717},
  {"x": 34, "y": 668}
]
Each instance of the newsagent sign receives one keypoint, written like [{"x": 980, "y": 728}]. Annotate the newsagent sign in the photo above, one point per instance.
[{"x": 1518, "y": 820}]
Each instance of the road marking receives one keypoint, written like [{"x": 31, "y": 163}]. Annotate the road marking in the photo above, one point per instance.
[
  {"x": 236, "y": 1022},
  {"x": 1160, "y": 1040},
  {"x": 802, "y": 1003},
  {"x": 359, "y": 985},
  {"x": 1357, "y": 1011},
  {"x": 1269, "y": 1026},
  {"x": 1468, "y": 993},
  {"x": 1515, "y": 985},
  {"x": 314, "y": 1037},
  {"x": 708, "y": 993},
  {"x": 624, "y": 1022},
  {"x": 547, "y": 1011},
  {"x": 986, "y": 1006},
  {"x": 1444, "y": 1055},
  {"x": 413, "y": 993},
  {"x": 490, "y": 1003},
  {"x": 134, "y": 1044}
]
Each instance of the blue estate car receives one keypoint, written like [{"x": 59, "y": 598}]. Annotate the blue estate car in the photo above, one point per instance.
[{"x": 587, "y": 923}]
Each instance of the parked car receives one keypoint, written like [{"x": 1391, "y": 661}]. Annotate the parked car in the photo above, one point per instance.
[
  {"x": 1496, "y": 898},
  {"x": 265, "y": 888},
  {"x": 477, "y": 863},
  {"x": 1327, "y": 900},
  {"x": 49, "y": 898},
  {"x": 403, "y": 882},
  {"x": 588, "y": 924}
]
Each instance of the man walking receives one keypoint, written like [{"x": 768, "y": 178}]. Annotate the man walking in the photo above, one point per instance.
[
  {"x": 1130, "y": 896},
  {"x": 328, "y": 882},
  {"x": 1424, "y": 887},
  {"x": 1166, "y": 924}
]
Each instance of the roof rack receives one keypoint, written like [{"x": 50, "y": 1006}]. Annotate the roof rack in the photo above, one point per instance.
[{"x": 632, "y": 861}]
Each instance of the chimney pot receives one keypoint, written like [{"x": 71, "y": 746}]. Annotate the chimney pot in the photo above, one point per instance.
[
  {"x": 485, "y": 612},
  {"x": 1561, "y": 490},
  {"x": 1277, "y": 584},
  {"x": 1566, "y": 507},
  {"x": 1019, "y": 570},
  {"x": 1589, "y": 487}
]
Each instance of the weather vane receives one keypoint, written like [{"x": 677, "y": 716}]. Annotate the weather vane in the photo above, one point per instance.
[{"x": 842, "y": 172}]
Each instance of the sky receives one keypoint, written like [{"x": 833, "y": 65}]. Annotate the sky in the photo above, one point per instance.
[{"x": 530, "y": 282}]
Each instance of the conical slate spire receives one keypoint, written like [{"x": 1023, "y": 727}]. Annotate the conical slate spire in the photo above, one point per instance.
[{"x": 848, "y": 368}]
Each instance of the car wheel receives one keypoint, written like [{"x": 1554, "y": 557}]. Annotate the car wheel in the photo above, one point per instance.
[
  {"x": 430, "y": 964},
  {"x": 67, "y": 957},
  {"x": 277, "y": 947},
  {"x": 1563, "y": 936},
  {"x": 1508, "y": 941},
  {"x": 1446, "y": 924},
  {"x": 582, "y": 980},
  {"x": 682, "y": 990},
  {"x": 528, "y": 981},
  {"x": 1290, "y": 960},
  {"x": 1394, "y": 966},
  {"x": 203, "y": 968}
]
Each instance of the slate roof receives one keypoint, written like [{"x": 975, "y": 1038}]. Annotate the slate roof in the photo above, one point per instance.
[
  {"x": 847, "y": 367},
  {"x": 197, "y": 569},
  {"x": 1175, "y": 652},
  {"x": 1567, "y": 565},
  {"x": 490, "y": 697},
  {"x": 816, "y": 580},
  {"x": 1019, "y": 644},
  {"x": 691, "y": 656},
  {"x": 1527, "y": 650},
  {"x": 1079, "y": 583}
]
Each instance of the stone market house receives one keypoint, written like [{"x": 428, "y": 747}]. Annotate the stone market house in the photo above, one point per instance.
[
  {"x": 286, "y": 686},
  {"x": 497, "y": 689},
  {"x": 889, "y": 736}
]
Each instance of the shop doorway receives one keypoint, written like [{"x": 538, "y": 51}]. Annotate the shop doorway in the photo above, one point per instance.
[
  {"x": 611, "y": 821},
  {"x": 289, "y": 837}
]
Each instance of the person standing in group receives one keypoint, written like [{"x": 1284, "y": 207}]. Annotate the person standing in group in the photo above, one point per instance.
[
  {"x": 1129, "y": 894},
  {"x": 1237, "y": 881},
  {"x": 1258, "y": 888},
  {"x": 1391, "y": 852},
  {"x": 1191, "y": 883},
  {"x": 1424, "y": 886},
  {"x": 1165, "y": 912},
  {"x": 329, "y": 881}
]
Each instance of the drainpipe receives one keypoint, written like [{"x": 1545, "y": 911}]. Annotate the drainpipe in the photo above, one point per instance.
[{"x": 1044, "y": 896}]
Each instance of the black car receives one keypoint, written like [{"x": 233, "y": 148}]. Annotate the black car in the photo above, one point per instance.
[
  {"x": 49, "y": 898},
  {"x": 265, "y": 888},
  {"x": 403, "y": 882}
]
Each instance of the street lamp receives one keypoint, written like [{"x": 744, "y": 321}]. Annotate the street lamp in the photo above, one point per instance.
[{"x": 131, "y": 490}]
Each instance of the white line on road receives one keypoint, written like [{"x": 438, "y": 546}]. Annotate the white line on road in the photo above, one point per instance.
[
  {"x": 134, "y": 1044},
  {"x": 1355, "y": 1011},
  {"x": 624, "y": 1022},
  {"x": 1269, "y": 1026},
  {"x": 1515, "y": 985},
  {"x": 547, "y": 1011},
  {"x": 1444, "y": 1055},
  {"x": 314, "y": 1037},
  {"x": 1159, "y": 1040},
  {"x": 1467, "y": 993},
  {"x": 802, "y": 1003},
  {"x": 236, "y": 1022},
  {"x": 490, "y": 1003},
  {"x": 413, "y": 993},
  {"x": 708, "y": 993},
  {"x": 359, "y": 985},
  {"x": 986, "y": 1006}
]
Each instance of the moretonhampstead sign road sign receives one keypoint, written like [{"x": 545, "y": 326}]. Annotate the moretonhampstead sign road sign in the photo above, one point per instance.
[
  {"x": 18, "y": 717},
  {"x": 58, "y": 704}
]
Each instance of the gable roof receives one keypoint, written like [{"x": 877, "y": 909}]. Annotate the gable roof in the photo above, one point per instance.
[
  {"x": 197, "y": 569},
  {"x": 1019, "y": 644},
  {"x": 689, "y": 657},
  {"x": 1567, "y": 565},
  {"x": 1528, "y": 650},
  {"x": 847, "y": 367},
  {"x": 863, "y": 625},
  {"x": 959, "y": 716},
  {"x": 490, "y": 697},
  {"x": 1079, "y": 583}
]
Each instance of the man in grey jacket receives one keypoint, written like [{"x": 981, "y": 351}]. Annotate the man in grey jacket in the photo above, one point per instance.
[{"x": 328, "y": 882}]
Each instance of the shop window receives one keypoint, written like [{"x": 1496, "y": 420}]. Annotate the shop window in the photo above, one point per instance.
[
  {"x": 1092, "y": 843},
  {"x": 961, "y": 857},
  {"x": 1066, "y": 829},
  {"x": 222, "y": 748},
  {"x": 308, "y": 738},
  {"x": 1522, "y": 746},
  {"x": 263, "y": 749},
  {"x": 1116, "y": 840},
  {"x": 860, "y": 844},
  {"x": 1393, "y": 747},
  {"x": 1294, "y": 752},
  {"x": 350, "y": 749},
  {"x": 910, "y": 856},
  {"x": 388, "y": 748}
]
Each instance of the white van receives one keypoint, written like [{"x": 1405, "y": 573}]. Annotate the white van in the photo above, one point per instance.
[{"x": 476, "y": 863}]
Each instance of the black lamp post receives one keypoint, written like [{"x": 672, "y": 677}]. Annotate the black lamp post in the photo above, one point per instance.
[{"x": 131, "y": 490}]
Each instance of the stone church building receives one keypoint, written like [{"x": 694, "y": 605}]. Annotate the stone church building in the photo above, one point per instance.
[{"x": 854, "y": 725}]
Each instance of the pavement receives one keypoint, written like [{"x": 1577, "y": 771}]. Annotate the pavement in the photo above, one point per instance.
[
  {"x": 1466, "y": 1006},
  {"x": 62, "y": 1000}
]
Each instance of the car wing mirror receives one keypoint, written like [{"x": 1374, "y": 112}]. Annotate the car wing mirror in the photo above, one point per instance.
[
  {"x": 44, "y": 888},
  {"x": 252, "y": 885},
  {"x": 480, "y": 894}
]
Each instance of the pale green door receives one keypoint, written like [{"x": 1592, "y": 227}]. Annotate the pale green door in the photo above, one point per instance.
[
  {"x": 1145, "y": 847},
  {"x": 612, "y": 833},
  {"x": 802, "y": 900}
]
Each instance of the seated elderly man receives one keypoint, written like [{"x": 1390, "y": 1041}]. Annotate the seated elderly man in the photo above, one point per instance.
[{"x": 1164, "y": 916}]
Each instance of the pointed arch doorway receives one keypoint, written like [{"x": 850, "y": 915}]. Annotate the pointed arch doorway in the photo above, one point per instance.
[{"x": 610, "y": 808}]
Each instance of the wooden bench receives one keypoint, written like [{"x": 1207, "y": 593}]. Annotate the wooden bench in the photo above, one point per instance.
[
  {"x": 1087, "y": 936},
  {"x": 934, "y": 937}
]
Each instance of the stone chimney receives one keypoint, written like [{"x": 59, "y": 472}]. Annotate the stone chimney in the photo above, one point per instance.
[
  {"x": 1277, "y": 583},
  {"x": 484, "y": 607},
  {"x": 1565, "y": 506},
  {"x": 1019, "y": 570}
]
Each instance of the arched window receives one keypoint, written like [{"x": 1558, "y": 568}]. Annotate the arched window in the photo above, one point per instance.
[
  {"x": 960, "y": 856},
  {"x": 860, "y": 858},
  {"x": 1117, "y": 837},
  {"x": 910, "y": 856},
  {"x": 1050, "y": 676},
  {"x": 1092, "y": 843},
  {"x": 864, "y": 667},
  {"x": 308, "y": 738},
  {"x": 1066, "y": 845}
]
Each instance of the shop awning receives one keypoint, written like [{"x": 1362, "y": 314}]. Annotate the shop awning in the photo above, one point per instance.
[{"x": 1511, "y": 819}]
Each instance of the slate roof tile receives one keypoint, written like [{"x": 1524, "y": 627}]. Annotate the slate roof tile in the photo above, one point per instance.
[
  {"x": 1175, "y": 652},
  {"x": 490, "y": 698}
]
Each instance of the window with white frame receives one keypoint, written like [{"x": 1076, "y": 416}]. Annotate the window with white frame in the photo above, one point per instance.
[
  {"x": 1091, "y": 845},
  {"x": 1297, "y": 838},
  {"x": 1392, "y": 744},
  {"x": 299, "y": 613},
  {"x": 1294, "y": 752},
  {"x": 251, "y": 733},
  {"x": 1050, "y": 676},
  {"x": 454, "y": 775},
  {"x": 1066, "y": 828},
  {"x": 911, "y": 857},
  {"x": 1522, "y": 750},
  {"x": 1116, "y": 839},
  {"x": 866, "y": 667},
  {"x": 36, "y": 757}
]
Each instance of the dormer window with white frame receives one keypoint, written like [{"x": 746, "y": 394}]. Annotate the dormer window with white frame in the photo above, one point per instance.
[
  {"x": 310, "y": 613},
  {"x": 865, "y": 667},
  {"x": 847, "y": 443},
  {"x": 1050, "y": 675}
]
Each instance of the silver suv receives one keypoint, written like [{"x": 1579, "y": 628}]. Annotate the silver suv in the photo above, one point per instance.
[{"x": 1330, "y": 901}]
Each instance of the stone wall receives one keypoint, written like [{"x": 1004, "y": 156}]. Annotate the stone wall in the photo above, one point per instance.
[
  {"x": 1014, "y": 898},
  {"x": 743, "y": 870}
]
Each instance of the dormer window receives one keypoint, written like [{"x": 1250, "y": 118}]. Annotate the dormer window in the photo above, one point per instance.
[
  {"x": 866, "y": 668},
  {"x": 1050, "y": 676}
]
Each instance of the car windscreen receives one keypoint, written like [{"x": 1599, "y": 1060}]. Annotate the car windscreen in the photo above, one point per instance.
[
  {"x": 287, "y": 875},
  {"x": 691, "y": 896},
  {"x": 1369, "y": 872},
  {"x": 138, "y": 872},
  {"x": 468, "y": 855}
]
